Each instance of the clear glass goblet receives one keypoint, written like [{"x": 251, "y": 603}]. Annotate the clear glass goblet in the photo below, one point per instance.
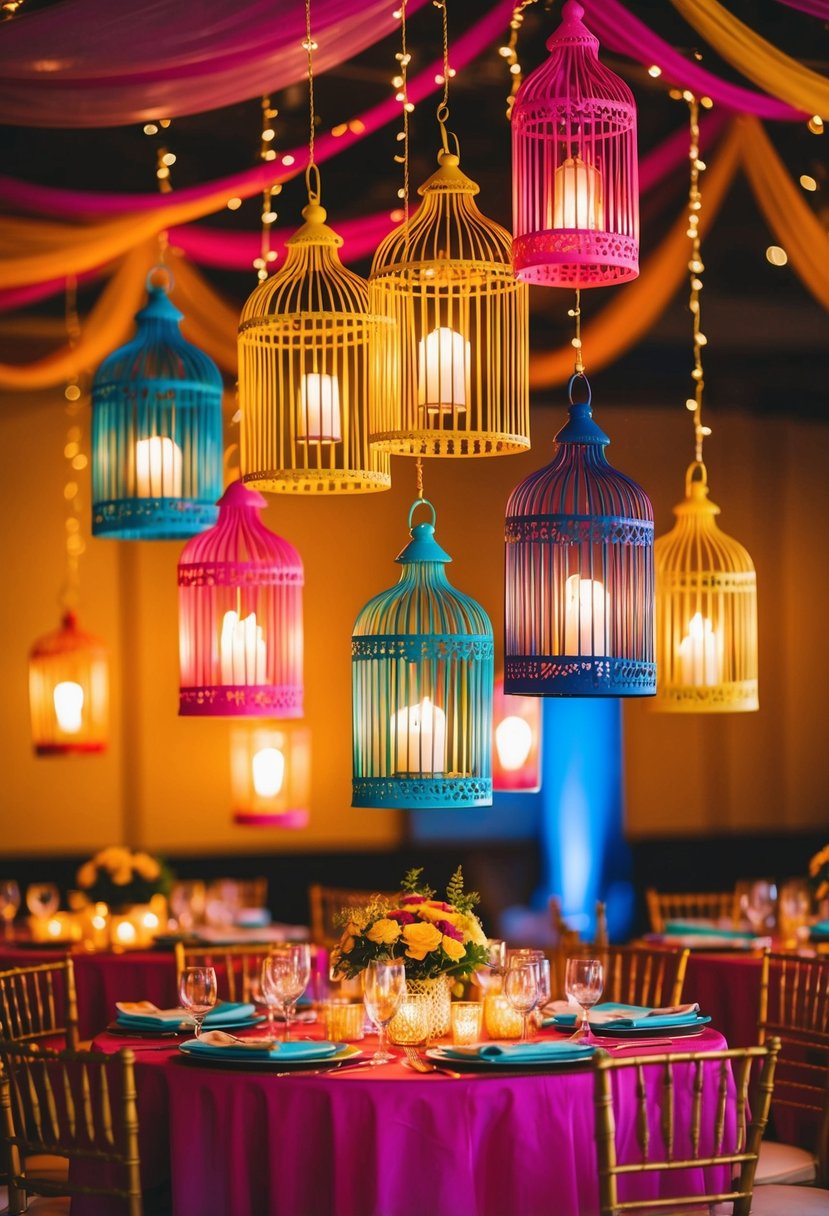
[
  {"x": 521, "y": 990},
  {"x": 489, "y": 976},
  {"x": 384, "y": 987},
  {"x": 757, "y": 903},
  {"x": 42, "y": 899},
  {"x": 286, "y": 973},
  {"x": 584, "y": 983},
  {"x": 198, "y": 991},
  {"x": 9, "y": 903}
]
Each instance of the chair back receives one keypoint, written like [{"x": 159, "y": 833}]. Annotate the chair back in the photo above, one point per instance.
[
  {"x": 640, "y": 975},
  {"x": 237, "y": 967},
  {"x": 691, "y": 905},
  {"x": 39, "y": 1003},
  {"x": 326, "y": 903},
  {"x": 684, "y": 1151},
  {"x": 78, "y": 1104},
  {"x": 794, "y": 1007}
]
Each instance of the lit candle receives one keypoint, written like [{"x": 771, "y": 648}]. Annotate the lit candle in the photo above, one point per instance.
[
  {"x": 54, "y": 928},
  {"x": 586, "y": 613},
  {"x": 466, "y": 1021},
  {"x": 443, "y": 370},
  {"x": 68, "y": 700},
  {"x": 242, "y": 652},
  {"x": 501, "y": 1020},
  {"x": 319, "y": 409},
  {"x": 578, "y": 195},
  {"x": 699, "y": 653},
  {"x": 268, "y": 766},
  {"x": 419, "y": 734},
  {"x": 513, "y": 739},
  {"x": 157, "y": 468},
  {"x": 125, "y": 933}
]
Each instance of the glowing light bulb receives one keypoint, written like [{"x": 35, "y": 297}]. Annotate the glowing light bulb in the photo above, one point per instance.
[
  {"x": 577, "y": 196},
  {"x": 419, "y": 737},
  {"x": 268, "y": 767},
  {"x": 443, "y": 370},
  {"x": 158, "y": 468},
  {"x": 68, "y": 701},
  {"x": 513, "y": 739}
]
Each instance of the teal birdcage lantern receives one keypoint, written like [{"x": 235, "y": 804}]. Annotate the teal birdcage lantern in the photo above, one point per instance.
[
  {"x": 156, "y": 431},
  {"x": 422, "y": 675}
]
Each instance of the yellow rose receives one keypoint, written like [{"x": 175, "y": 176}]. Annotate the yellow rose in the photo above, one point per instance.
[
  {"x": 384, "y": 932},
  {"x": 427, "y": 913},
  {"x": 455, "y": 949},
  {"x": 421, "y": 939},
  {"x": 87, "y": 874},
  {"x": 347, "y": 945},
  {"x": 146, "y": 866},
  {"x": 122, "y": 875},
  {"x": 473, "y": 931}
]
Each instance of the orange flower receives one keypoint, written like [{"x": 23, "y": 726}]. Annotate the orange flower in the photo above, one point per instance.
[{"x": 421, "y": 939}]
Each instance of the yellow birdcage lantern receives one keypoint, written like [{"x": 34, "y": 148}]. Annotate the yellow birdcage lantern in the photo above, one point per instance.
[{"x": 706, "y": 611}]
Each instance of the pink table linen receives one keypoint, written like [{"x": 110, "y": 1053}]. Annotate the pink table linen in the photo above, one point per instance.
[{"x": 727, "y": 988}]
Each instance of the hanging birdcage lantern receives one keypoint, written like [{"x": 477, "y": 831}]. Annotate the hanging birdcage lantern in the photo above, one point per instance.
[
  {"x": 156, "y": 431},
  {"x": 240, "y": 616},
  {"x": 706, "y": 611},
  {"x": 422, "y": 669},
  {"x": 69, "y": 692},
  {"x": 457, "y": 346},
  {"x": 270, "y": 771},
  {"x": 516, "y": 736},
  {"x": 579, "y": 574},
  {"x": 575, "y": 175}
]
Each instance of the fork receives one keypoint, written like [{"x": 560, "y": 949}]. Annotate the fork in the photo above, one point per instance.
[{"x": 419, "y": 1065}]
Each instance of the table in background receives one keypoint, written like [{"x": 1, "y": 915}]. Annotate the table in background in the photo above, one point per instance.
[{"x": 727, "y": 987}]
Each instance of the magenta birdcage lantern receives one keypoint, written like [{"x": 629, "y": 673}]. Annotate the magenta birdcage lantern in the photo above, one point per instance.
[
  {"x": 575, "y": 179},
  {"x": 240, "y": 616}
]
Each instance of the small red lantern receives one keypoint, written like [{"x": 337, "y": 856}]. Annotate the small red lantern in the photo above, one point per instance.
[
  {"x": 516, "y": 752},
  {"x": 69, "y": 692}
]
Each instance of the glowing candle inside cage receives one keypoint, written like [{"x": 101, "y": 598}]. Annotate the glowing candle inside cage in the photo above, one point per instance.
[
  {"x": 158, "y": 468},
  {"x": 442, "y": 370},
  {"x": 578, "y": 196},
  {"x": 586, "y": 613},
  {"x": 268, "y": 769},
  {"x": 68, "y": 701},
  {"x": 699, "y": 653},
  {"x": 319, "y": 409},
  {"x": 242, "y": 651},
  {"x": 419, "y": 738},
  {"x": 513, "y": 739}
]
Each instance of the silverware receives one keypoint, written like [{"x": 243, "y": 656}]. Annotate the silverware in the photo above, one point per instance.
[{"x": 414, "y": 1061}]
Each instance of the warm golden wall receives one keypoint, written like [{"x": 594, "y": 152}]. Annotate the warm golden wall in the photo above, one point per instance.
[{"x": 165, "y": 782}]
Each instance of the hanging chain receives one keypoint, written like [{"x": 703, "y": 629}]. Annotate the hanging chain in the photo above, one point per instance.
[
  {"x": 267, "y": 153},
  {"x": 76, "y": 460},
  {"x": 575, "y": 342},
  {"x": 311, "y": 171},
  {"x": 443, "y": 107},
  {"x": 695, "y": 269},
  {"x": 419, "y": 477},
  {"x": 509, "y": 52}
]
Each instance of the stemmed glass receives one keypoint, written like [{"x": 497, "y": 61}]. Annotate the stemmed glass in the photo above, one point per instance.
[
  {"x": 521, "y": 989},
  {"x": 9, "y": 903},
  {"x": 583, "y": 982},
  {"x": 489, "y": 974},
  {"x": 286, "y": 973},
  {"x": 42, "y": 899},
  {"x": 757, "y": 904},
  {"x": 384, "y": 987},
  {"x": 197, "y": 990}
]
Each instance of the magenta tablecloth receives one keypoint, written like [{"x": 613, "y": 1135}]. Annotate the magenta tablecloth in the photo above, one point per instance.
[
  {"x": 727, "y": 987},
  {"x": 390, "y": 1143}
]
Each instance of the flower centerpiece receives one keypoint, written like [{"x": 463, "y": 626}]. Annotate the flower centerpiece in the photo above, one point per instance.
[
  {"x": 435, "y": 939},
  {"x": 133, "y": 886}
]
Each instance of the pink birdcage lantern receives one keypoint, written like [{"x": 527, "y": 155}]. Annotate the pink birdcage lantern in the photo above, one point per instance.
[
  {"x": 575, "y": 180},
  {"x": 240, "y": 616}
]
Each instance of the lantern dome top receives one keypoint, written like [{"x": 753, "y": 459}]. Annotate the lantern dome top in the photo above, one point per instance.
[
  {"x": 67, "y": 638},
  {"x": 422, "y": 547},
  {"x": 696, "y": 515},
  {"x": 580, "y": 427},
  {"x": 573, "y": 31},
  {"x": 239, "y": 539}
]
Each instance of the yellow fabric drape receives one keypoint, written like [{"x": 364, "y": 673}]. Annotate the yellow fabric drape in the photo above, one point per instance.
[
  {"x": 757, "y": 59},
  {"x": 636, "y": 306},
  {"x": 787, "y": 213},
  {"x": 210, "y": 322}
]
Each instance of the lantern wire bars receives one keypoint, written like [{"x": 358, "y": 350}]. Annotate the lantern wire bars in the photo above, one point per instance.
[
  {"x": 422, "y": 674},
  {"x": 706, "y": 586},
  {"x": 575, "y": 176},
  {"x": 456, "y": 348},
  {"x": 156, "y": 430},
  {"x": 579, "y": 573},
  {"x": 240, "y": 616},
  {"x": 306, "y": 337}
]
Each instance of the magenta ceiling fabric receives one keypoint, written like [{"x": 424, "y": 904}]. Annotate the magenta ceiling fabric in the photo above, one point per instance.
[
  {"x": 620, "y": 31},
  {"x": 815, "y": 8},
  {"x": 99, "y": 63}
]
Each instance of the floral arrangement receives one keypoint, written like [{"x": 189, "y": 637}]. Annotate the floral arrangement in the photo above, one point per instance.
[
  {"x": 431, "y": 936},
  {"x": 819, "y": 873},
  {"x": 116, "y": 875}
]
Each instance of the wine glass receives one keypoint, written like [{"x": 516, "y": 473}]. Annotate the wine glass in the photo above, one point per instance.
[
  {"x": 285, "y": 976},
  {"x": 544, "y": 987},
  {"x": 521, "y": 990},
  {"x": 488, "y": 976},
  {"x": 757, "y": 904},
  {"x": 9, "y": 903},
  {"x": 197, "y": 990},
  {"x": 384, "y": 987},
  {"x": 42, "y": 899},
  {"x": 583, "y": 983}
]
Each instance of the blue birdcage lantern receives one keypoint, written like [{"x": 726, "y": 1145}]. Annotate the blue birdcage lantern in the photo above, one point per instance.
[
  {"x": 156, "y": 431},
  {"x": 422, "y": 675},
  {"x": 579, "y": 573}
]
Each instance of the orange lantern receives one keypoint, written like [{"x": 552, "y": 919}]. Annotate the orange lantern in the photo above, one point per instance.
[{"x": 69, "y": 692}]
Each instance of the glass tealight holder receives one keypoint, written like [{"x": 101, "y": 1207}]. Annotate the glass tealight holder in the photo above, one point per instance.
[
  {"x": 343, "y": 1022},
  {"x": 500, "y": 1019},
  {"x": 467, "y": 1018},
  {"x": 410, "y": 1025}
]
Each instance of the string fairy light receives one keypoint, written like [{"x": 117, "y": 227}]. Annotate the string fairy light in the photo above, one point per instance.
[
  {"x": 695, "y": 271},
  {"x": 509, "y": 52},
  {"x": 75, "y": 457},
  {"x": 400, "y": 82},
  {"x": 267, "y": 153}
]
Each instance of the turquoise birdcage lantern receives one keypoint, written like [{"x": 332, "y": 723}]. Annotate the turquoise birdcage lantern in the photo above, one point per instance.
[
  {"x": 579, "y": 574},
  {"x": 422, "y": 675},
  {"x": 156, "y": 431}
]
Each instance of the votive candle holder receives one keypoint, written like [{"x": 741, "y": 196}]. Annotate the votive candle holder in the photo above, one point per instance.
[
  {"x": 500, "y": 1019},
  {"x": 467, "y": 1018},
  {"x": 411, "y": 1024},
  {"x": 343, "y": 1022}
]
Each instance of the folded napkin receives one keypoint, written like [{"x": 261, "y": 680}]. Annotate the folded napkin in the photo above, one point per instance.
[
  {"x": 521, "y": 1052},
  {"x": 227, "y": 1046},
  {"x": 625, "y": 1016},
  {"x": 697, "y": 929},
  {"x": 144, "y": 1015},
  {"x": 820, "y": 929}
]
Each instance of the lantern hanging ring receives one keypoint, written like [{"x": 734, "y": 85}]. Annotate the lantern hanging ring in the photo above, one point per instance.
[
  {"x": 161, "y": 276},
  {"x": 697, "y": 474},
  {"x": 422, "y": 502},
  {"x": 585, "y": 384},
  {"x": 312, "y": 175}
]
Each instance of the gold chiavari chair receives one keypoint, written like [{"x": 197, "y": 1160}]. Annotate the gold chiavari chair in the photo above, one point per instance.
[
  {"x": 704, "y": 1144},
  {"x": 640, "y": 975},
  {"x": 237, "y": 967},
  {"x": 794, "y": 1007},
  {"x": 39, "y": 1003},
  {"x": 80, "y": 1104},
  {"x": 691, "y": 905},
  {"x": 326, "y": 903}
]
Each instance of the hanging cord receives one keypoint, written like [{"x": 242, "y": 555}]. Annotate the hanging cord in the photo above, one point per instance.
[
  {"x": 575, "y": 342},
  {"x": 76, "y": 460},
  {"x": 312, "y": 175},
  {"x": 695, "y": 269},
  {"x": 419, "y": 477},
  {"x": 443, "y": 106},
  {"x": 509, "y": 52}
]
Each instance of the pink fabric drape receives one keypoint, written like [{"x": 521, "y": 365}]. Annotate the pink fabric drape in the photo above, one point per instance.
[{"x": 815, "y": 8}]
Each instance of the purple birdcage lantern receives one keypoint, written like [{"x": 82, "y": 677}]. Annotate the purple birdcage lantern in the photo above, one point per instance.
[
  {"x": 240, "y": 616},
  {"x": 575, "y": 180}
]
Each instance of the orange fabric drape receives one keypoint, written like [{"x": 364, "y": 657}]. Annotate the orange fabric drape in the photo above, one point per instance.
[{"x": 636, "y": 307}]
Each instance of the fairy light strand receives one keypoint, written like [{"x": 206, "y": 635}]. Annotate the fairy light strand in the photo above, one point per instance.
[
  {"x": 575, "y": 341},
  {"x": 695, "y": 270},
  {"x": 509, "y": 52},
  {"x": 267, "y": 153},
  {"x": 400, "y": 82},
  {"x": 76, "y": 459}
]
